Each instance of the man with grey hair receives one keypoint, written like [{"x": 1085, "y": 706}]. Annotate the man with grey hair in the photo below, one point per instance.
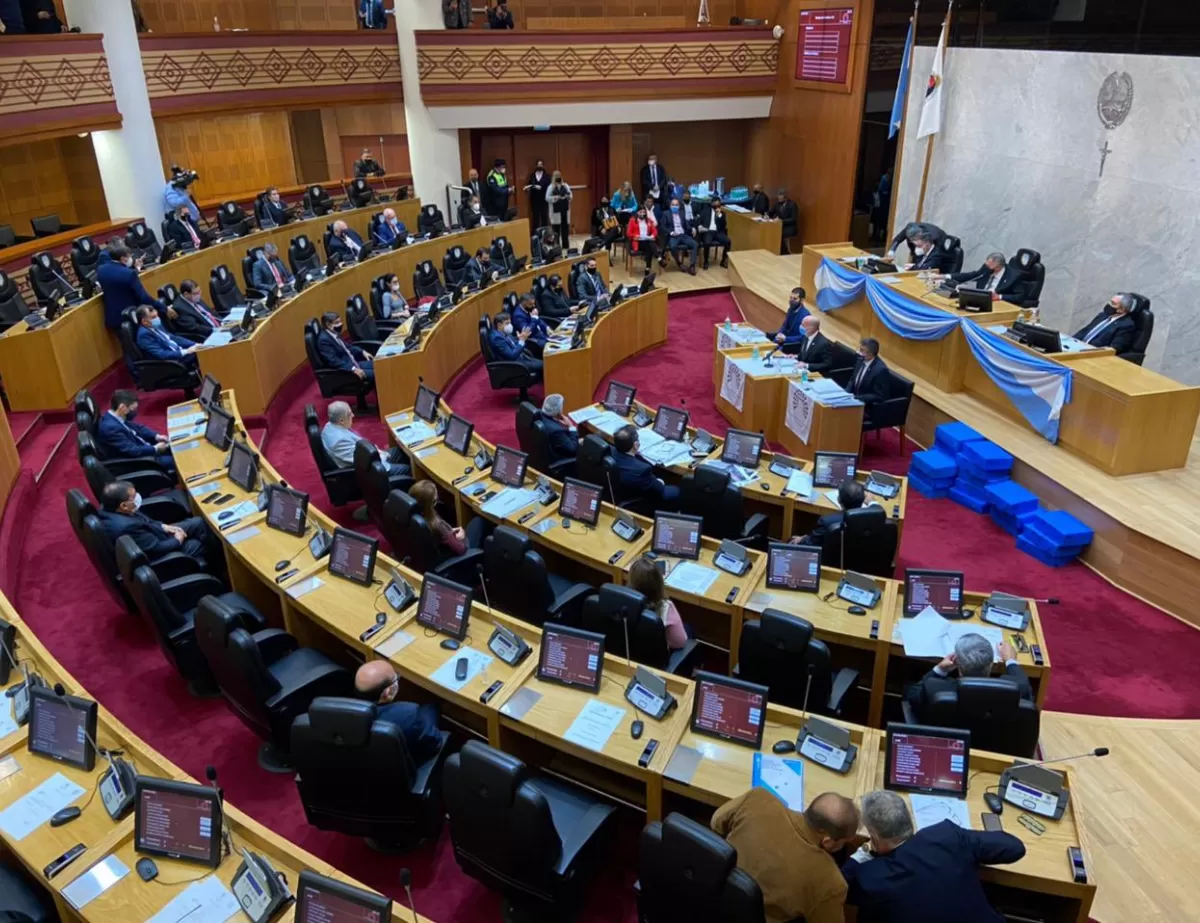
[
  {"x": 268, "y": 272},
  {"x": 345, "y": 243},
  {"x": 996, "y": 276},
  {"x": 927, "y": 876},
  {"x": 1113, "y": 326},
  {"x": 339, "y": 440},
  {"x": 561, "y": 435},
  {"x": 972, "y": 657}
]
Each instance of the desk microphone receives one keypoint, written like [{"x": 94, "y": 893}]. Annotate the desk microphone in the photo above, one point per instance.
[
  {"x": 1099, "y": 751},
  {"x": 807, "y": 690},
  {"x": 1051, "y": 601},
  {"x": 406, "y": 884},
  {"x": 767, "y": 363},
  {"x": 612, "y": 493},
  {"x": 210, "y": 773},
  {"x": 487, "y": 601}
]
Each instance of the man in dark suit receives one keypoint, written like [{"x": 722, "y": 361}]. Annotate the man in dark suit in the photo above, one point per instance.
[
  {"x": 367, "y": 166},
  {"x": 120, "y": 435},
  {"x": 561, "y": 434},
  {"x": 791, "y": 332},
  {"x": 1113, "y": 326},
  {"x": 157, "y": 343},
  {"x": 759, "y": 203},
  {"x": 475, "y": 187},
  {"x": 117, "y": 275},
  {"x": 345, "y": 242},
  {"x": 972, "y": 657},
  {"x": 654, "y": 176},
  {"x": 911, "y": 231},
  {"x": 120, "y": 515},
  {"x": 191, "y": 317},
  {"x": 591, "y": 285},
  {"x": 275, "y": 209},
  {"x": 785, "y": 211},
  {"x": 479, "y": 265},
  {"x": 470, "y": 214},
  {"x": 677, "y": 232},
  {"x": 511, "y": 347},
  {"x": 814, "y": 350},
  {"x": 525, "y": 316},
  {"x": 268, "y": 272},
  {"x": 851, "y": 496},
  {"x": 337, "y": 354},
  {"x": 184, "y": 232},
  {"x": 931, "y": 876},
  {"x": 553, "y": 304},
  {"x": 539, "y": 182},
  {"x": 928, "y": 256},
  {"x": 377, "y": 682},
  {"x": 713, "y": 230},
  {"x": 996, "y": 276},
  {"x": 636, "y": 476},
  {"x": 869, "y": 380}
]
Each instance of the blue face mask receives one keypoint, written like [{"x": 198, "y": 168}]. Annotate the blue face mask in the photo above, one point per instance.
[
  {"x": 157, "y": 322},
  {"x": 675, "y": 208}
]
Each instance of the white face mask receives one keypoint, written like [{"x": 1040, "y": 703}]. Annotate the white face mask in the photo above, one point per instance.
[
  {"x": 137, "y": 502},
  {"x": 508, "y": 329},
  {"x": 533, "y": 313},
  {"x": 919, "y": 251}
]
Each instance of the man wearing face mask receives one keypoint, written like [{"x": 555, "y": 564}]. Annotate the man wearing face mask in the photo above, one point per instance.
[
  {"x": 346, "y": 243},
  {"x": 337, "y": 354},
  {"x": 605, "y": 223},
  {"x": 869, "y": 380},
  {"x": 714, "y": 231},
  {"x": 478, "y": 266},
  {"x": 526, "y": 319},
  {"x": 539, "y": 182},
  {"x": 913, "y": 230},
  {"x": 759, "y": 203},
  {"x": 496, "y": 201},
  {"x": 678, "y": 232},
  {"x": 926, "y": 256},
  {"x": 391, "y": 230},
  {"x": 118, "y": 435},
  {"x": 510, "y": 346},
  {"x": 553, "y": 304},
  {"x": 117, "y": 275},
  {"x": 274, "y": 210},
  {"x": 184, "y": 232},
  {"x": 791, "y": 332},
  {"x": 591, "y": 285},
  {"x": 120, "y": 515},
  {"x": 157, "y": 343},
  {"x": 654, "y": 175},
  {"x": 192, "y": 318},
  {"x": 471, "y": 215}
]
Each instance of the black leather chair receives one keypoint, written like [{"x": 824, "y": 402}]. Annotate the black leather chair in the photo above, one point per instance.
[
  {"x": 146, "y": 474},
  {"x": 952, "y": 248},
  {"x": 1034, "y": 276},
  {"x": 142, "y": 243},
  {"x": 9, "y": 238},
  {"x": 619, "y": 612},
  {"x": 22, "y": 901},
  {"x": 232, "y": 221},
  {"x": 373, "y": 481},
  {"x": 778, "y": 650},
  {"x": 991, "y": 708},
  {"x": 844, "y": 359},
  {"x": 355, "y": 775},
  {"x": 430, "y": 222},
  {"x": 303, "y": 256},
  {"x": 385, "y": 325},
  {"x": 155, "y": 374},
  {"x": 893, "y": 411},
  {"x": 248, "y": 261},
  {"x": 13, "y": 306},
  {"x": 412, "y": 540},
  {"x": 454, "y": 265},
  {"x": 503, "y": 373},
  {"x": 502, "y": 253},
  {"x": 590, "y": 461},
  {"x": 47, "y": 225},
  {"x": 527, "y": 412},
  {"x": 573, "y": 280},
  {"x": 364, "y": 332},
  {"x": 870, "y": 542},
  {"x": 360, "y": 193},
  {"x": 262, "y": 217},
  {"x": 85, "y": 257},
  {"x": 707, "y": 492},
  {"x": 533, "y": 838},
  {"x": 150, "y": 481},
  {"x": 223, "y": 290},
  {"x": 1143, "y": 326},
  {"x": 541, "y": 458},
  {"x": 334, "y": 382},
  {"x": 317, "y": 200},
  {"x": 688, "y": 872},
  {"x": 520, "y": 584},
  {"x": 266, "y": 678},
  {"x": 48, "y": 281},
  {"x": 427, "y": 281},
  {"x": 340, "y": 483}
]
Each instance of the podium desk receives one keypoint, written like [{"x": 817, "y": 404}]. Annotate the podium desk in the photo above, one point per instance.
[
  {"x": 762, "y": 405},
  {"x": 748, "y": 232},
  {"x": 724, "y": 769}
]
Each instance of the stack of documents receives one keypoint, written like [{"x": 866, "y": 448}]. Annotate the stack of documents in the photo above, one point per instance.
[
  {"x": 829, "y": 393},
  {"x": 508, "y": 501},
  {"x": 737, "y": 474},
  {"x": 800, "y": 483},
  {"x": 927, "y": 634},
  {"x": 584, "y": 414},
  {"x": 690, "y": 577},
  {"x": 608, "y": 422},
  {"x": 667, "y": 453},
  {"x": 415, "y": 432}
]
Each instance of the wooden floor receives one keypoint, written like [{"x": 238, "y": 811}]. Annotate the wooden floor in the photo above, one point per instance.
[{"x": 672, "y": 278}]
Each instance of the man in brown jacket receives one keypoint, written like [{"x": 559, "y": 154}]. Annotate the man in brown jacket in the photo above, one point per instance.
[{"x": 789, "y": 854}]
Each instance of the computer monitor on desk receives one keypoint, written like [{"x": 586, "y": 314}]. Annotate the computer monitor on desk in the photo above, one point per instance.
[
  {"x": 831, "y": 468},
  {"x": 677, "y": 535},
  {"x": 1043, "y": 339},
  {"x": 571, "y": 657},
  {"x": 445, "y": 606},
  {"x": 287, "y": 510},
  {"x": 458, "y": 434},
  {"x": 509, "y": 466},
  {"x": 929, "y": 760},
  {"x": 671, "y": 422},
  {"x": 179, "y": 820},
  {"x": 210, "y": 392},
  {"x": 352, "y": 556},
  {"x": 60, "y": 727},
  {"x": 426, "y": 404},
  {"x": 742, "y": 448},
  {"x": 324, "y": 900},
  {"x": 974, "y": 299},
  {"x": 942, "y": 590},
  {"x": 730, "y": 709},
  {"x": 619, "y": 397}
]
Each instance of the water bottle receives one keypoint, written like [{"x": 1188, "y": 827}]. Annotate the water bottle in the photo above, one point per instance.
[
  {"x": 755, "y": 355},
  {"x": 804, "y": 375},
  {"x": 728, "y": 325},
  {"x": 216, "y": 24}
]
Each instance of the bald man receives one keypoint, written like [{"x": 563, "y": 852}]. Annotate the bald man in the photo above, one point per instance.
[
  {"x": 813, "y": 349},
  {"x": 791, "y": 854},
  {"x": 376, "y": 681},
  {"x": 345, "y": 242},
  {"x": 391, "y": 231}
]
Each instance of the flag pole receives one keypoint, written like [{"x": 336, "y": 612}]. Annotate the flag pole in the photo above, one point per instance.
[
  {"x": 891, "y": 219},
  {"x": 932, "y": 138}
]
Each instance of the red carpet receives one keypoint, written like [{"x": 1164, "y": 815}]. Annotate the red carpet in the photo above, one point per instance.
[{"x": 1112, "y": 655}]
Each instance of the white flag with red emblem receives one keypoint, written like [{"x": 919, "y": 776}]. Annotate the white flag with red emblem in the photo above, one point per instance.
[{"x": 931, "y": 112}]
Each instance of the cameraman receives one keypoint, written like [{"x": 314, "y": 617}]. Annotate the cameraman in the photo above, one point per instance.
[{"x": 175, "y": 194}]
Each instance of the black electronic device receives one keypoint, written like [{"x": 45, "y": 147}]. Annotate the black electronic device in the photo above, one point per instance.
[
  {"x": 319, "y": 544},
  {"x": 991, "y": 822},
  {"x": 324, "y": 900},
  {"x": 994, "y": 802},
  {"x": 742, "y": 448},
  {"x": 930, "y": 760},
  {"x": 8, "y": 642},
  {"x": 940, "y": 589},
  {"x": 461, "y": 666},
  {"x": 647, "y": 691},
  {"x": 640, "y": 417},
  {"x": 730, "y": 709},
  {"x": 62, "y": 727},
  {"x": 626, "y": 528},
  {"x": 378, "y": 626},
  {"x": 219, "y": 429},
  {"x": 636, "y": 728},
  {"x": 1078, "y": 869},
  {"x": 794, "y": 567},
  {"x": 860, "y": 590},
  {"x": 783, "y": 746},
  {"x": 1007, "y": 611},
  {"x": 1042, "y": 339},
  {"x": 458, "y": 434},
  {"x": 732, "y": 558},
  {"x": 508, "y": 467},
  {"x": 508, "y": 646},
  {"x": 483, "y": 459},
  {"x": 52, "y": 870},
  {"x": 671, "y": 422},
  {"x": 831, "y": 468},
  {"x": 571, "y": 657},
  {"x": 619, "y": 397},
  {"x": 65, "y": 816},
  {"x": 399, "y": 592},
  {"x": 243, "y": 466},
  {"x": 260, "y": 890},
  {"x": 676, "y": 534},
  {"x": 426, "y": 404},
  {"x": 580, "y": 501},
  {"x": 1034, "y": 788},
  {"x": 352, "y": 556},
  {"x": 783, "y": 466},
  {"x": 147, "y": 868},
  {"x": 20, "y": 694},
  {"x": 882, "y": 484},
  {"x": 287, "y": 509},
  {"x": 445, "y": 606},
  {"x": 974, "y": 299},
  {"x": 648, "y": 753},
  {"x": 179, "y": 820},
  {"x": 210, "y": 392}
]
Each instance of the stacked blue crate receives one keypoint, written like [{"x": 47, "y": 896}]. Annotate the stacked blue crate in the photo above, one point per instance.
[
  {"x": 932, "y": 472},
  {"x": 980, "y": 464},
  {"x": 1011, "y": 505},
  {"x": 1054, "y": 538}
]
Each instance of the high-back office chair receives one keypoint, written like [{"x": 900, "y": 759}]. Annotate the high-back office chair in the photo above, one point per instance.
[
  {"x": 503, "y": 373},
  {"x": 540, "y": 456},
  {"x": 21, "y": 901},
  {"x": 952, "y": 248},
  {"x": 261, "y": 216},
  {"x": 411, "y": 537},
  {"x": 573, "y": 280},
  {"x": 1143, "y": 327},
  {"x": 527, "y": 412},
  {"x": 13, "y": 306},
  {"x": 334, "y": 382},
  {"x": 155, "y": 374},
  {"x": 869, "y": 543},
  {"x": 502, "y": 253},
  {"x": 619, "y": 612},
  {"x": 520, "y": 584},
  {"x": 168, "y": 294},
  {"x": 317, "y": 200},
  {"x": 991, "y": 708},
  {"x": 1034, "y": 276},
  {"x": 223, "y": 290},
  {"x": 430, "y": 221},
  {"x": 48, "y": 281},
  {"x": 355, "y": 775},
  {"x": 427, "y": 281},
  {"x": 361, "y": 324},
  {"x": 778, "y": 650},
  {"x": 373, "y": 480},
  {"x": 8, "y": 237},
  {"x": 265, "y": 677},
  {"x": 85, "y": 257},
  {"x": 708, "y": 493},
  {"x": 341, "y": 484},
  {"x": 232, "y": 220},
  {"x": 688, "y": 872},
  {"x": 251, "y": 257},
  {"x": 531, "y": 837},
  {"x": 142, "y": 243},
  {"x": 147, "y": 469},
  {"x": 844, "y": 359},
  {"x": 303, "y": 256},
  {"x": 360, "y": 192},
  {"x": 454, "y": 265},
  {"x": 894, "y": 410},
  {"x": 385, "y": 325},
  {"x": 151, "y": 481},
  {"x": 48, "y": 225},
  {"x": 590, "y": 461},
  {"x": 510, "y": 303}
]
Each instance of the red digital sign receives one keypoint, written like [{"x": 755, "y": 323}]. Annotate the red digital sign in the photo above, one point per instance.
[{"x": 823, "y": 46}]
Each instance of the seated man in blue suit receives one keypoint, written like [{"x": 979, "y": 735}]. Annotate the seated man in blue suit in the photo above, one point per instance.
[
  {"x": 928, "y": 876},
  {"x": 156, "y": 342},
  {"x": 336, "y": 353},
  {"x": 120, "y": 515},
  {"x": 525, "y": 317},
  {"x": 791, "y": 334},
  {"x": 391, "y": 232},
  {"x": 268, "y": 272},
  {"x": 479, "y": 266},
  {"x": 512, "y": 347},
  {"x": 120, "y": 436},
  {"x": 561, "y": 434},
  {"x": 1113, "y": 326},
  {"x": 636, "y": 476},
  {"x": 345, "y": 242},
  {"x": 591, "y": 285},
  {"x": 377, "y": 682},
  {"x": 117, "y": 275},
  {"x": 869, "y": 380}
]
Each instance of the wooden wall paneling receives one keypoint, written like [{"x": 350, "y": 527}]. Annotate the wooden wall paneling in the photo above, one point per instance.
[
  {"x": 527, "y": 150},
  {"x": 308, "y": 146},
  {"x": 618, "y": 15},
  {"x": 173, "y": 16},
  {"x": 620, "y": 157},
  {"x": 32, "y": 184},
  {"x": 391, "y": 151},
  {"x": 232, "y": 153},
  {"x": 333, "y": 144},
  {"x": 371, "y": 119},
  {"x": 491, "y": 146},
  {"x": 318, "y": 15},
  {"x": 82, "y": 178},
  {"x": 695, "y": 151},
  {"x": 575, "y": 161}
]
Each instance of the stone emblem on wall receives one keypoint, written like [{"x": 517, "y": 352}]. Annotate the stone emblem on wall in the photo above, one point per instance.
[{"x": 1115, "y": 99}]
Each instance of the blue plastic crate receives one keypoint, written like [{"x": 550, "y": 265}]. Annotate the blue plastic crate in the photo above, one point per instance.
[
  {"x": 1011, "y": 497},
  {"x": 963, "y": 496},
  {"x": 925, "y": 488},
  {"x": 1047, "y": 543},
  {"x": 952, "y": 436},
  {"x": 977, "y": 493},
  {"x": 986, "y": 456},
  {"x": 978, "y": 474},
  {"x": 1010, "y": 524},
  {"x": 1062, "y": 528},
  {"x": 933, "y": 463},
  {"x": 1035, "y": 551}
]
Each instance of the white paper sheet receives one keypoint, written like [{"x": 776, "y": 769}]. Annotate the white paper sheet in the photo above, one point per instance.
[
  {"x": 8, "y": 723},
  {"x": 733, "y": 385},
  {"x": 927, "y": 634},
  {"x": 667, "y": 453},
  {"x": 583, "y": 414},
  {"x": 218, "y": 338},
  {"x": 307, "y": 585},
  {"x": 416, "y": 432},
  {"x": 690, "y": 577},
  {"x": 783, "y": 778},
  {"x": 184, "y": 421},
  {"x": 389, "y": 349},
  {"x": 608, "y": 422},
  {"x": 477, "y": 662},
  {"x": 95, "y": 881},
  {"x": 203, "y": 490},
  {"x": 31, "y": 810},
  {"x": 394, "y": 644},
  {"x": 206, "y": 901},
  {"x": 933, "y": 809},
  {"x": 799, "y": 415},
  {"x": 800, "y": 483},
  {"x": 508, "y": 500},
  {"x": 235, "y": 315},
  {"x": 242, "y": 534},
  {"x": 594, "y": 724},
  {"x": 648, "y": 438}
]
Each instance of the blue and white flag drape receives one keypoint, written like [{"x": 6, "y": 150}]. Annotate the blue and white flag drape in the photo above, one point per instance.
[
  {"x": 901, "y": 98},
  {"x": 1037, "y": 387}
]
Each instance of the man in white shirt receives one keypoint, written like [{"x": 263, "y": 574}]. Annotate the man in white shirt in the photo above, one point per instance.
[{"x": 339, "y": 441}]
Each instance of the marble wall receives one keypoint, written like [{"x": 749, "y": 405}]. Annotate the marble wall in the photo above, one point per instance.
[{"x": 1017, "y": 164}]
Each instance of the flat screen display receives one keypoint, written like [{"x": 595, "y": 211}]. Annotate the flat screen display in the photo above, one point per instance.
[
  {"x": 742, "y": 448},
  {"x": 219, "y": 429},
  {"x": 509, "y": 465},
  {"x": 619, "y": 397},
  {"x": 794, "y": 567},
  {"x": 823, "y": 44},
  {"x": 445, "y": 606},
  {"x": 352, "y": 556},
  {"x": 210, "y": 391},
  {"x": 831, "y": 468},
  {"x": 927, "y": 759},
  {"x": 571, "y": 657},
  {"x": 426, "y": 404},
  {"x": 59, "y": 727},
  {"x": 941, "y": 589},
  {"x": 458, "y": 434},
  {"x": 671, "y": 422},
  {"x": 324, "y": 900},
  {"x": 676, "y": 534},
  {"x": 729, "y": 709},
  {"x": 180, "y": 820},
  {"x": 243, "y": 466},
  {"x": 580, "y": 501},
  {"x": 287, "y": 510}
]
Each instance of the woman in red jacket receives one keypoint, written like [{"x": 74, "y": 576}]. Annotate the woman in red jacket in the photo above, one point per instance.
[{"x": 642, "y": 233}]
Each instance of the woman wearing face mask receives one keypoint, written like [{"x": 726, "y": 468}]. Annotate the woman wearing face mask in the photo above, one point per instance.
[
  {"x": 624, "y": 203},
  {"x": 551, "y": 251},
  {"x": 508, "y": 346},
  {"x": 553, "y": 304},
  {"x": 605, "y": 223},
  {"x": 642, "y": 233},
  {"x": 394, "y": 305},
  {"x": 558, "y": 198}
]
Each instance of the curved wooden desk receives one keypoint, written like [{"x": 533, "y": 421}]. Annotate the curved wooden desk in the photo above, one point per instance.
[{"x": 43, "y": 369}]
